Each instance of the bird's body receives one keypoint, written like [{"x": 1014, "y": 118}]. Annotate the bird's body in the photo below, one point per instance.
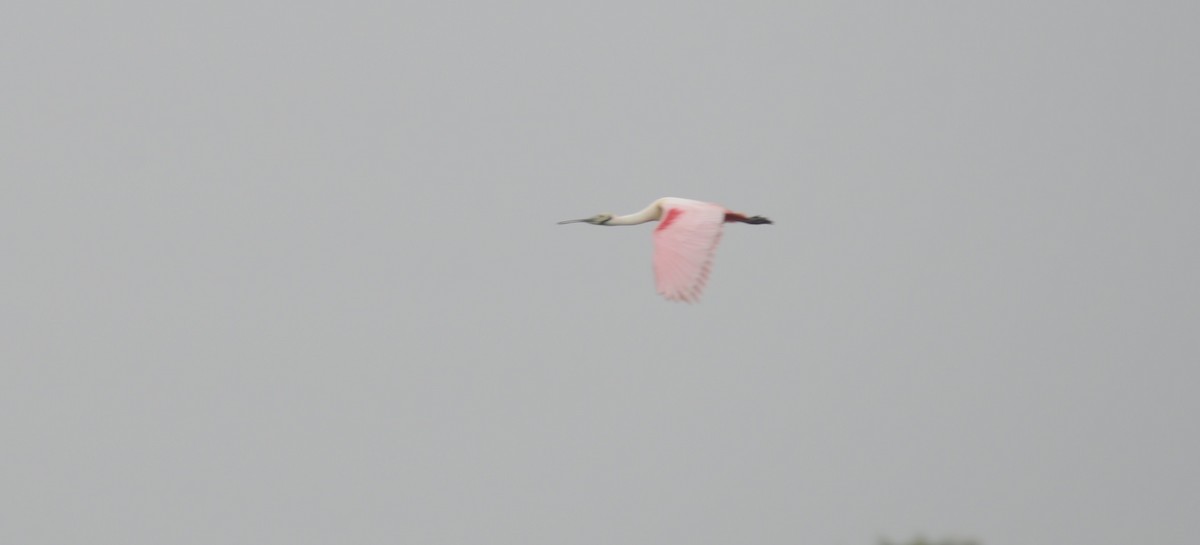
[{"x": 684, "y": 241}]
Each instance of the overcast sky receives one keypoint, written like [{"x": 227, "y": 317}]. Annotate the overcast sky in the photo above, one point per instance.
[{"x": 289, "y": 273}]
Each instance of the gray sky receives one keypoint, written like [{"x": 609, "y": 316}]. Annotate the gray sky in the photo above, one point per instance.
[{"x": 290, "y": 274}]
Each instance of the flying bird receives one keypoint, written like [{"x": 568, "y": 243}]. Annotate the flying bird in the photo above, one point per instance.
[{"x": 684, "y": 241}]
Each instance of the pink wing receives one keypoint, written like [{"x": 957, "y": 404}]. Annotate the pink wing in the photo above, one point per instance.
[{"x": 684, "y": 243}]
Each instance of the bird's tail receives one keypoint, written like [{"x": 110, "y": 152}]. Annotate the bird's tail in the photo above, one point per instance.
[{"x": 753, "y": 220}]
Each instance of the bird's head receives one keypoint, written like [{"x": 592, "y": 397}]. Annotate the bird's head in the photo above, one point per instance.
[{"x": 598, "y": 219}]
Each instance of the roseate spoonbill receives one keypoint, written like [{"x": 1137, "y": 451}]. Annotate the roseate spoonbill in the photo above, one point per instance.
[{"x": 684, "y": 241}]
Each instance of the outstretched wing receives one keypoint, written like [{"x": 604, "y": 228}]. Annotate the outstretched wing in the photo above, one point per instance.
[{"x": 684, "y": 243}]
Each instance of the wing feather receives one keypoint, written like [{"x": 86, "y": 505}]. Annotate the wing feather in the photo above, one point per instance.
[{"x": 684, "y": 245}]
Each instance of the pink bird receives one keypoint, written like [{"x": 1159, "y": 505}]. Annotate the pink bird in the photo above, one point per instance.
[{"x": 684, "y": 242}]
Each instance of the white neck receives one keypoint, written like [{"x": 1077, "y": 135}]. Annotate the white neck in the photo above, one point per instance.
[{"x": 650, "y": 213}]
